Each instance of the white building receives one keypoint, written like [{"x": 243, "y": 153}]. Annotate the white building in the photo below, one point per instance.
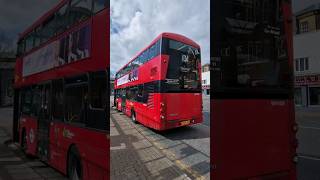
[
  {"x": 205, "y": 76},
  {"x": 307, "y": 57}
]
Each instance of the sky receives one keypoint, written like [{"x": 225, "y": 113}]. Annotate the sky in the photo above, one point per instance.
[{"x": 134, "y": 25}]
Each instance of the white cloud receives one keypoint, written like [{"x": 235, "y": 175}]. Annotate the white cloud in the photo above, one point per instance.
[{"x": 136, "y": 23}]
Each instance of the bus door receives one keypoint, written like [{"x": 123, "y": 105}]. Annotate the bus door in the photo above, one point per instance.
[{"x": 44, "y": 121}]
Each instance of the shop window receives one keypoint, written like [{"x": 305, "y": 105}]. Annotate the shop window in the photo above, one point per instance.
[
  {"x": 298, "y": 96},
  {"x": 314, "y": 95}
]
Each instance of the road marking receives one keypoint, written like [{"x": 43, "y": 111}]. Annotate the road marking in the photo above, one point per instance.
[
  {"x": 307, "y": 127},
  {"x": 311, "y": 158},
  {"x": 122, "y": 146}
]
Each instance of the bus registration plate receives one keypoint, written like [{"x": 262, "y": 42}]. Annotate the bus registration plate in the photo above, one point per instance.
[{"x": 184, "y": 123}]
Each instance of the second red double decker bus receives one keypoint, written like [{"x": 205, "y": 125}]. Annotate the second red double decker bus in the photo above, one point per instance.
[
  {"x": 161, "y": 86},
  {"x": 252, "y": 107}
]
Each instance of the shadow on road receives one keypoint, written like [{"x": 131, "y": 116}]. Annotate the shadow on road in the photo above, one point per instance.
[{"x": 185, "y": 133}]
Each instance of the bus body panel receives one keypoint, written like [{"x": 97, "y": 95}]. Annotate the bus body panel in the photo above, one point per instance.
[
  {"x": 183, "y": 106},
  {"x": 176, "y": 111},
  {"x": 30, "y": 126},
  {"x": 265, "y": 148},
  {"x": 92, "y": 145},
  {"x": 100, "y": 48}
]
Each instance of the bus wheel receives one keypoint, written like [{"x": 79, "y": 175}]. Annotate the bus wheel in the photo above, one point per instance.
[
  {"x": 24, "y": 144},
  {"x": 133, "y": 117},
  {"x": 74, "y": 165}
]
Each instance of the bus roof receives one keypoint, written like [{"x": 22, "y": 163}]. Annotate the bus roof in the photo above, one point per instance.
[
  {"x": 42, "y": 19},
  {"x": 169, "y": 35}
]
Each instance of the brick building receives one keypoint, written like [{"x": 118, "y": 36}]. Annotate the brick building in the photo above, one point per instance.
[
  {"x": 307, "y": 56},
  {"x": 6, "y": 80}
]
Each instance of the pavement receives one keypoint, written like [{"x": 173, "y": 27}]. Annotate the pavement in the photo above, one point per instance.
[
  {"x": 138, "y": 152},
  {"x": 14, "y": 165},
  {"x": 308, "y": 166}
]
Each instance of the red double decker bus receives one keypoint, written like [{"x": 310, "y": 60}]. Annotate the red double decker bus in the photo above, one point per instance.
[
  {"x": 252, "y": 108},
  {"x": 161, "y": 86},
  {"x": 61, "y": 89}
]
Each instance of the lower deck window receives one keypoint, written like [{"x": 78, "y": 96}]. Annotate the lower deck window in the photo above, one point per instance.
[{"x": 76, "y": 103}]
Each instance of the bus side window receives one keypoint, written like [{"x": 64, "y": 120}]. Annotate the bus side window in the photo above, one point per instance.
[
  {"x": 57, "y": 100},
  {"x": 26, "y": 101},
  {"x": 145, "y": 94},
  {"x": 98, "y": 90},
  {"x": 36, "y": 101},
  {"x": 134, "y": 93},
  {"x": 140, "y": 93},
  {"x": 76, "y": 96}
]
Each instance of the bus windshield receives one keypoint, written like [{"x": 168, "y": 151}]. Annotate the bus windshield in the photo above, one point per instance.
[
  {"x": 183, "y": 70},
  {"x": 250, "y": 53}
]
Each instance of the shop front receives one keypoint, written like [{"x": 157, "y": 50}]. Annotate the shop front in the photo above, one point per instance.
[{"x": 307, "y": 90}]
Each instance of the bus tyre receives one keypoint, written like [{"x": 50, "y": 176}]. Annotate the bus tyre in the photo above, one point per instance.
[
  {"x": 24, "y": 144},
  {"x": 74, "y": 164},
  {"x": 133, "y": 117}
]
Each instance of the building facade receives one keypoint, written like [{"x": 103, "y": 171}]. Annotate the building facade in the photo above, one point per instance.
[
  {"x": 6, "y": 81},
  {"x": 205, "y": 76},
  {"x": 307, "y": 57}
]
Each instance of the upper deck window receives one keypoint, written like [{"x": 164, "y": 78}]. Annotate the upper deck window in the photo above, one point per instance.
[
  {"x": 67, "y": 16},
  {"x": 99, "y": 5},
  {"x": 29, "y": 42},
  {"x": 61, "y": 19},
  {"x": 80, "y": 10},
  {"x": 144, "y": 57}
]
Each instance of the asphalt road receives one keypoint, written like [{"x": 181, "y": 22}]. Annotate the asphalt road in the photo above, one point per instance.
[
  {"x": 187, "y": 148},
  {"x": 206, "y": 110},
  {"x": 197, "y": 136},
  {"x": 308, "y": 166}
]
